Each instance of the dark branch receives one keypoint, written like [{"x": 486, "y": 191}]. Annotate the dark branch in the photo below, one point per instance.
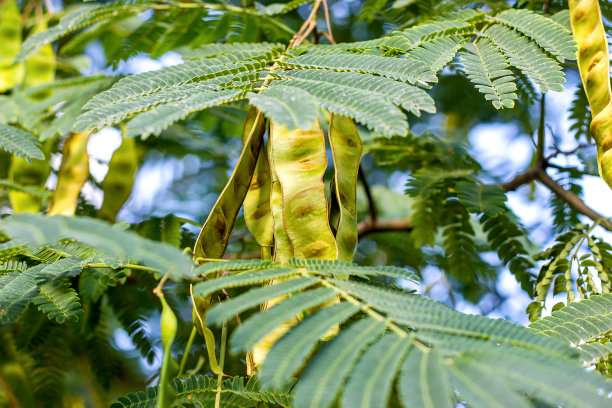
[
  {"x": 572, "y": 199},
  {"x": 369, "y": 226}
]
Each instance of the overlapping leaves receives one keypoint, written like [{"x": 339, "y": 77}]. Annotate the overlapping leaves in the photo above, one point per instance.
[{"x": 365, "y": 80}]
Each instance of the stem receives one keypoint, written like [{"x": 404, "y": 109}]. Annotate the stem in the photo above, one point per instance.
[
  {"x": 186, "y": 353},
  {"x": 221, "y": 364},
  {"x": 130, "y": 266},
  {"x": 541, "y": 128},
  {"x": 160, "y": 285}
]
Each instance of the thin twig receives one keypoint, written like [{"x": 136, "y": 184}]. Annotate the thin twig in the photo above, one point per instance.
[
  {"x": 558, "y": 152},
  {"x": 368, "y": 192},
  {"x": 328, "y": 22}
]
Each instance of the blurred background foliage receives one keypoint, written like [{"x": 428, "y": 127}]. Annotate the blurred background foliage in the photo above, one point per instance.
[{"x": 181, "y": 173}]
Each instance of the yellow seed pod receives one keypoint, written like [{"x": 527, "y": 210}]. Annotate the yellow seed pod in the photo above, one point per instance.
[
  {"x": 215, "y": 233},
  {"x": 117, "y": 185},
  {"x": 10, "y": 44},
  {"x": 346, "y": 149},
  {"x": 594, "y": 65},
  {"x": 40, "y": 67},
  {"x": 28, "y": 174},
  {"x": 257, "y": 215},
  {"x": 72, "y": 175},
  {"x": 299, "y": 160}
]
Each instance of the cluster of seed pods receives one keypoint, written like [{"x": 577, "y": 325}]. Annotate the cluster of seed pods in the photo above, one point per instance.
[
  {"x": 287, "y": 205},
  {"x": 594, "y": 65},
  {"x": 284, "y": 195}
]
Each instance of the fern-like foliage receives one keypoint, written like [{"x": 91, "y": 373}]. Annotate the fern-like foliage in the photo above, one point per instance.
[
  {"x": 369, "y": 81},
  {"x": 20, "y": 142},
  {"x": 586, "y": 324},
  {"x": 81, "y": 17},
  {"x": 202, "y": 391},
  {"x": 549, "y": 34},
  {"x": 426, "y": 348},
  {"x": 567, "y": 267},
  {"x": 115, "y": 243},
  {"x": 580, "y": 115},
  {"x": 488, "y": 69}
]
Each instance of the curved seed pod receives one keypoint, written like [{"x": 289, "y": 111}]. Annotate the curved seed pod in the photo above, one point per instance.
[
  {"x": 117, "y": 185},
  {"x": 215, "y": 233},
  {"x": 10, "y": 44},
  {"x": 299, "y": 161},
  {"x": 169, "y": 368},
  {"x": 594, "y": 65},
  {"x": 72, "y": 175},
  {"x": 40, "y": 67},
  {"x": 346, "y": 149},
  {"x": 32, "y": 174},
  {"x": 283, "y": 249},
  {"x": 257, "y": 215}
]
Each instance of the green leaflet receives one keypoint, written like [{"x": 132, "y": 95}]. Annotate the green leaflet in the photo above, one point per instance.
[
  {"x": 58, "y": 301},
  {"x": 370, "y": 383},
  {"x": 551, "y": 35},
  {"x": 257, "y": 215},
  {"x": 346, "y": 149},
  {"x": 423, "y": 381},
  {"x": 528, "y": 57},
  {"x": 20, "y": 143},
  {"x": 488, "y": 69},
  {"x": 287, "y": 106},
  {"x": 78, "y": 18},
  {"x": 215, "y": 233},
  {"x": 289, "y": 353},
  {"x": 39, "y": 230},
  {"x": 225, "y": 310},
  {"x": 10, "y": 44},
  {"x": 262, "y": 325},
  {"x": 411, "y": 71},
  {"x": 246, "y": 278},
  {"x": 299, "y": 161},
  {"x": 72, "y": 175},
  {"x": 325, "y": 374},
  {"x": 117, "y": 185},
  {"x": 482, "y": 388},
  {"x": 438, "y": 52}
]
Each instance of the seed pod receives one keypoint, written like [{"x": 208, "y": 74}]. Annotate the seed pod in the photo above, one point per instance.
[
  {"x": 10, "y": 44},
  {"x": 299, "y": 161},
  {"x": 346, "y": 150},
  {"x": 72, "y": 175},
  {"x": 215, "y": 233},
  {"x": 40, "y": 67},
  {"x": 28, "y": 174},
  {"x": 117, "y": 185},
  {"x": 283, "y": 249},
  {"x": 594, "y": 65},
  {"x": 169, "y": 368},
  {"x": 257, "y": 215}
]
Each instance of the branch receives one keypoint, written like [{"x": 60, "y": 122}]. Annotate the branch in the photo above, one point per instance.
[
  {"x": 572, "y": 199},
  {"x": 369, "y": 226},
  {"x": 525, "y": 177}
]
